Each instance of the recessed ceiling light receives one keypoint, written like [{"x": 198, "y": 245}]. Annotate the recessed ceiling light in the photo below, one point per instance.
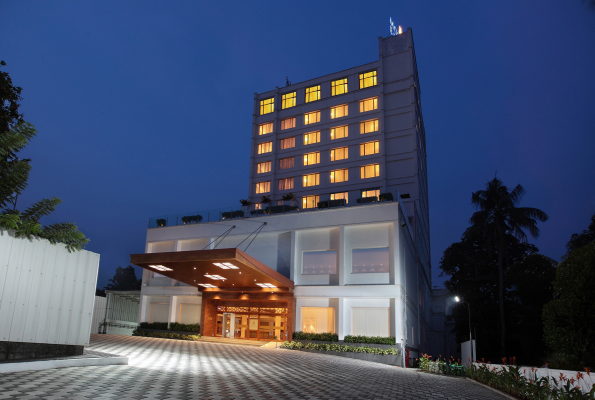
[
  {"x": 266, "y": 285},
  {"x": 230, "y": 265},
  {"x": 221, "y": 265},
  {"x": 216, "y": 277},
  {"x": 207, "y": 285},
  {"x": 160, "y": 267}
]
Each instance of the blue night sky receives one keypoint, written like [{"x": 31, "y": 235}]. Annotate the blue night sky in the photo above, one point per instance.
[{"x": 145, "y": 107}]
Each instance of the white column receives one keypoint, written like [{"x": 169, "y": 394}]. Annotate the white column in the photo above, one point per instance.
[
  {"x": 172, "y": 310},
  {"x": 143, "y": 309},
  {"x": 342, "y": 268},
  {"x": 341, "y": 310}
]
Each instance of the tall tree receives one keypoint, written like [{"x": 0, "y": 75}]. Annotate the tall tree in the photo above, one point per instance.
[
  {"x": 15, "y": 135},
  {"x": 578, "y": 240},
  {"x": 497, "y": 218},
  {"x": 124, "y": 279}
]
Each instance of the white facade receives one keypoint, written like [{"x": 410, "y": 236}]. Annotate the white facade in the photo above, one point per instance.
[{"x": 46, "y": 293}]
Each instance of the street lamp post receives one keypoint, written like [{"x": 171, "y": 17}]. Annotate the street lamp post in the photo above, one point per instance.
[{"x": 458, "y": 300}]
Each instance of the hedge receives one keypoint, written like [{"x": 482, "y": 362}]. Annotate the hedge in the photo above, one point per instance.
[
  {"x": 325, "y": 337},
  {"x": 340, "y": 348},
  {"x": 173, "y": 326},
  {"x": 165, "y": 335},
  {"x": 370, "y": 339},
  {"x": 154, "y": 325}
]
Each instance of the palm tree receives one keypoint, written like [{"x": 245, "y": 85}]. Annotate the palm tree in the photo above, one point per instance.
[{"x": 498, "y": 217}]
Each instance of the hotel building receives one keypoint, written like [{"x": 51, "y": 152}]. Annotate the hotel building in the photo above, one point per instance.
[{"x": 348, "y": 254}]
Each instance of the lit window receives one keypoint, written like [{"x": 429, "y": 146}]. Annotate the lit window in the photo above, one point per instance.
[
  {"x": 339, "y": 86},
  {"x": 340, "y": 196},
  {"x": 339, "y": 111},
  {"x": 287, "y": 143},
  {"x": 318, "y": 320},
  {"x": 263, "y": 167},
  {"x": 370, "y": 171},
  {"x": 288, "y": 100},
  {"x": 310, "y": 201},
  {"x": 366, "y": 261},
  {"x": 312, "y": 93},
  {"x": 312, "y": 117},
  {"x": 339, "y": 132},
  {"x": 311, "y": 180},
  {"x": 288, "y": 123},
  {"x": 368, "y": 126},
  {"x": 319, "y": 262},
  {"x": 263, "y": 187},
  {"x": 339, "y": 175},
  {"x": 340, "y": 153},
  {"x": 285, "y": 163},
  {"x": 365, "y": 149},
  {"x": 263, "y": 129},
  {"x": 371, "y": 193},
  {"x": 286, "y": 184},
  {"x": 312, "y": 137},
  {"x": 267, "y": 106},
  {"x": 265, "y": 147},
  {"x": 368, "y": 104},
  {"x": 312, "y": 158},
  {"x": 367, "y": 79},
  {"x": 258, "y": 206}
]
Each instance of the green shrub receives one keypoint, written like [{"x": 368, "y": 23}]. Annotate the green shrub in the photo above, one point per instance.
[
  {"x": 325, "y": 337},
  {"x": 370, "y": 339},
  {"x": 188, "y": 219},
  {"x": 165, "y": 335},
  {"x": 154, "y": 325},
  {"x": 161, "y": 222},
  {"x": 322, "y": 204},
  {"x": 340, "y": 348},
  {"x": 386, "y": 197},
  {"x": 232, "y": 214},
  {"x": 174, "y": 326}
]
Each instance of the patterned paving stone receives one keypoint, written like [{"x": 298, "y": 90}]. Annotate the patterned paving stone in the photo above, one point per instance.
[{"x": 171, "y": 369}]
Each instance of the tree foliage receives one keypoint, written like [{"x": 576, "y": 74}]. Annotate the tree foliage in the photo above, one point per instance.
[
  {"x": 124, "y": 279},
  {"x": 569, "y": 319},
  {"x": 578, "y": 240},
  {"x": 498, "y": 218},
  {"x": 15, "y": 135}
]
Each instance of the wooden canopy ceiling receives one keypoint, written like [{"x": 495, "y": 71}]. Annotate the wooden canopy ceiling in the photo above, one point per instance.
[{"x": 191, "y": 267}]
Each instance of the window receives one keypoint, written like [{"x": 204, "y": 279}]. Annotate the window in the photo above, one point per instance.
[
  {"x": 371, "y": 193},
  {"x": 285, "y": 163},
  {"x": 368, "y": 104},
  {"x": 288, "y": 100},
  {"x": 367, "y": 321},
  {"x": 263, "y": 167},
  {"x": 267, "y": 106},
  {"x": 340, "y": 153},
  {"x": 318, "y": 320},
  {"x": 368, "y": 126},
  {"x": 339, "y": 175},
  {"x": 339, "y": 111},
  {"x": 312, "y": 137},
  {"x": 339, "y": 132},
  {"x": 365, "y": 149},
  {"x": 263, "y": 187},
  {"x": 339, "y": 87},
  {"x": 285, "y": 184},
  {"x": 370, "y": 171},
  {"x": 340, "y": 196},
  {"x": 265, "y": 147},
  {"x": 367, "y": 79},
  {"x": 369, "y": 261},
  {"x": 319, "y": 262},
  {"x": 312, "y": 117},
  {"x": 258, "y": 206},
  {"x": 312, "y": 93},
  {"x": 287, "y": 143},
  {"x": 288, "y": 123},
  {"x": 311, "y": 180},
  {"x": 312, "y": 158},
  {"x": 263, "y": 129},
  {"x": 310, "y": 201}
]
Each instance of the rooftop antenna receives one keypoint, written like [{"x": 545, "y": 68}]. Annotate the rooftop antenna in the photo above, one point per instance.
[{"x": 287, "y": 83}]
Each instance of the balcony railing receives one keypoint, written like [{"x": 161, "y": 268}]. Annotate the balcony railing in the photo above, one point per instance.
[{"x": 229, "y": 213}]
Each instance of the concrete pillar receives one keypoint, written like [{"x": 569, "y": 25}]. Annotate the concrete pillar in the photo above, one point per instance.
[
  {"x": 143, "y": 309},
  {"x": 342, "y": 268},
  {"x": 172, "y": 310}
]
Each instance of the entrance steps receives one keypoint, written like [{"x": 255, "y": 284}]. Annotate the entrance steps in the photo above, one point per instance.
[{"x": 241, "y": 342}]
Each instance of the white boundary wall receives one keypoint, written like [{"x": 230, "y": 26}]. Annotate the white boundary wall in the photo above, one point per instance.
[
  {"x": 46, "y": 293},
  {"x": 98, "y": 314}
]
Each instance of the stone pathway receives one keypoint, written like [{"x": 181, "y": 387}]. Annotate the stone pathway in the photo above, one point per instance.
[{"x": 175, "y": 369}]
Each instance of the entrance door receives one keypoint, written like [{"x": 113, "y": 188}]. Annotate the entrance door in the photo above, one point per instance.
[{"x": 228, "y": 323}]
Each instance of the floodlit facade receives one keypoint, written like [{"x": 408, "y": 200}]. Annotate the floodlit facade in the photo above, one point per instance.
[{"x": 349, "y": 254}]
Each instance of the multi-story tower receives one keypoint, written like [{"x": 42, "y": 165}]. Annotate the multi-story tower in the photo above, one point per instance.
[{"x": 353, "y": 134}]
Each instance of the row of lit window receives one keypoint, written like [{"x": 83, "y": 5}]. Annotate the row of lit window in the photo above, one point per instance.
[
  {"x": 314, "y": 116},
  {"x": 337, "y": 154},
  {"x": 336, "y": 176},
  {"x": 312, "y": 93},
  {"x": 337, "y": 132},
  {"x": 312, "y": 200}
]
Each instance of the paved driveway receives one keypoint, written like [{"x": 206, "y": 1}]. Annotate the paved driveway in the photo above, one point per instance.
[{"x": 174, "y": 369}]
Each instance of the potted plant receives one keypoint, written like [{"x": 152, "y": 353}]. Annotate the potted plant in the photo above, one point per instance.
[
  {"x": 245, "y": 204},
  {"x": 386, "y": 196},
  {"x": 288, "y": 199},
  {"x": 161, "y": 222}
]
